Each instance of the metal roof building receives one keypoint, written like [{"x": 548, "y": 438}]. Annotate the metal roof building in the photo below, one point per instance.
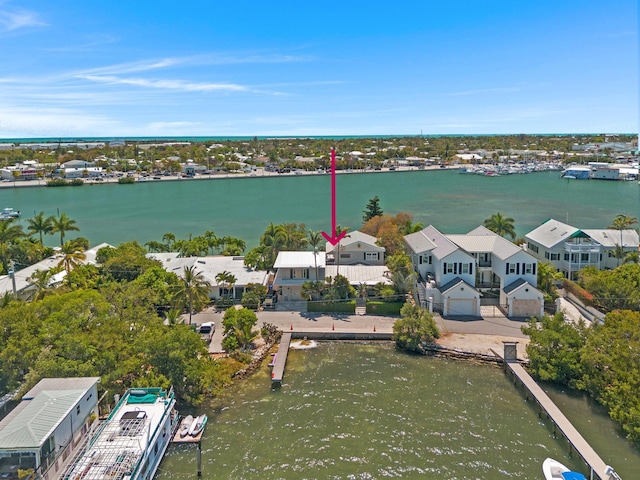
[{"x": 41, "y": 427}]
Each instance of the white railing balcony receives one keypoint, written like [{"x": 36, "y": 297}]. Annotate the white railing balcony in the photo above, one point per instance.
[{"x": 581, "y": 247}]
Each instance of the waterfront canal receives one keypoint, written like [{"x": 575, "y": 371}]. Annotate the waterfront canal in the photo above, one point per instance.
[
  {"x": 243, "y": 207},
  {"x": 366, "y": 411}
]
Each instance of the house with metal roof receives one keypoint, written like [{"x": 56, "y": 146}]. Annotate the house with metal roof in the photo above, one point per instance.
[
  {"x": 295, "y": 268},
  {"x": 210, "y": 267},
  {"x": 19, "y": 282},
  {"x": 456, "y": 271},
  {"x": 570, "y": 249},
  {"x": 42, "y": 428},
  {"x": 446, "y": 273},
  {"x": 356, "y": 248}
]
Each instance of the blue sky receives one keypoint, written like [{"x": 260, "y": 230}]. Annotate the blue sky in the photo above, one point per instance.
[{"x": 218, "y": 68}]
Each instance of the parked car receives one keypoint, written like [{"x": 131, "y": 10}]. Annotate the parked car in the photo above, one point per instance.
[
  {"x": 270, "y": 301},
  {"x": 206, "y": 331}
]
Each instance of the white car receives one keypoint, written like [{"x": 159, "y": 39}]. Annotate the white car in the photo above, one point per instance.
[{"x": 206, "y": 331}]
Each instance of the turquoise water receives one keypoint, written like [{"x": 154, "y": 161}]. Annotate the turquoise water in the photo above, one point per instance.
[
  {"x": 243, "y": 207},
  {"x": 365, "y": 411}
]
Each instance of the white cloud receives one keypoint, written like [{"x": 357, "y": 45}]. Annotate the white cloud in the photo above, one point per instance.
[
  {"x": 191, "y": 60},
  {"x": 165, "y": 84},
  {"x": 17, "y": 19}
]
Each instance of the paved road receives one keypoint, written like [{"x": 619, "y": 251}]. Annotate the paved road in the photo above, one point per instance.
[{"x": 315, "y": 322}]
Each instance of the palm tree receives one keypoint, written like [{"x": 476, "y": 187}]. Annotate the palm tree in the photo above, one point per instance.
[
  {"x": 72, "y": 256},
  {"x": 192, "y": 290},
  {"x": 40, "y": 280},
  {"x": 275, "y": 237},
  {"x": 154, "y": 246},
  {"x": 315, "y": 240},
  {"x": 622, "y": 222},
  {"x": 173, "y": 317},
  {"x": 9, "y": 233},
  {"x": 501, "y": 225},
  {"x": 227, "y": 280},
  {"x": 547, "y": 275},
  {"x": 169, "y": 238},
  {"x": 212, "y": 240},
  {"x": 40, "y": 224},
  {"x": 411, "y": 227},
  {"x": 63, "y": 224}
]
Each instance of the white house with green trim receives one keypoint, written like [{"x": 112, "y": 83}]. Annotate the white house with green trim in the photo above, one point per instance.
[
  {"x": 38, "y": 433},
  {"x": 570, "y": 249}
]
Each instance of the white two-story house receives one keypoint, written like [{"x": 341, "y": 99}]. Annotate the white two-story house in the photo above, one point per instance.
[
  {"x": 295, "y": 268},
  {"x": 446, "y": 272},
  {"x": 454, "y": 270},
  {"x": 356, "y": 248},
  {"x": 570, "y": 249}
]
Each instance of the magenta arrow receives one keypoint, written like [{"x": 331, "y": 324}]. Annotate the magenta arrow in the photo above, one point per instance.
[{"x": 334, "y": 238}]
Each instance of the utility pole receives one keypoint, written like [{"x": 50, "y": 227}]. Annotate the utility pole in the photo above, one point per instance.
[{"x": 12, "y": 274}]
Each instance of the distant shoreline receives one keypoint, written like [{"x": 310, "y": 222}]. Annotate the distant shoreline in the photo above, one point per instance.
[
  {"x": 206, "y": 138},
  {"x": 260, "y": 173}
]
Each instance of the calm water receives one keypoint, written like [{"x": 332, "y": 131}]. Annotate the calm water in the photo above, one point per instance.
[
  {"x": 367, "y": 411},
  {"x": 352, "y": 411},
  {"x": 452, "y": 202}
]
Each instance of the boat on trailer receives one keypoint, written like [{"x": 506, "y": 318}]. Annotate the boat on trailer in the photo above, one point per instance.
[
  {"x": 554, "y": 470},
  {"x": 131, "y": 442}
]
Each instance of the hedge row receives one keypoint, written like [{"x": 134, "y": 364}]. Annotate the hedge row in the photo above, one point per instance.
[
  {"x": 332, "y": 307},
  {"x": 384, "y": 308}
]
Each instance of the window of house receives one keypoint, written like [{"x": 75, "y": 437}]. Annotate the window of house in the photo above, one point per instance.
[
  {"x": 555, "y": 256},
  {"x": 546, "y": 255},
  {"x": 78, "y": 410},
  {"x": 584, "y": 257},
  {"x": 528, "y": 268},
  {"x": 345, "y": 255},
  {"x": 449, "y": 267},
  {"x": 305, "y": 273},
  {"x": 566, "y": 257},
  {"x": 512, "y": 268},
  {"x": 374, "y": 256},
  {"x": 465, "y": 268}
]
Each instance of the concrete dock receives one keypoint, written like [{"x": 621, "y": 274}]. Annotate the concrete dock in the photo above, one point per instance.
[
  {"x": 598, "y": 469},
  {"x": 281, "y": 359}
]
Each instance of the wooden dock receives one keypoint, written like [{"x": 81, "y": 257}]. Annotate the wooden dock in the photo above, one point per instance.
[
  {"x": 576, "y": 441},
  {"x": 281, "y": 359}
]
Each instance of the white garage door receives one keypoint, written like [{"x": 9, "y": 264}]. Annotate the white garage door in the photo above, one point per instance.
[{"x": 461, "y": 307}]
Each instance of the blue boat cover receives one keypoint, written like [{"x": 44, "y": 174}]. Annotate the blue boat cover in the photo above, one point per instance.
[{"x": 573, "y": 476}]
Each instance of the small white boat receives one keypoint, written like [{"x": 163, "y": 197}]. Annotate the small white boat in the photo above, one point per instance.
[
  {"x": 185, "y": 426},
  {"x": 9, "y": 213},
  {"x": 198, "y": 425},
  {"x": 554, "y": 470}
]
